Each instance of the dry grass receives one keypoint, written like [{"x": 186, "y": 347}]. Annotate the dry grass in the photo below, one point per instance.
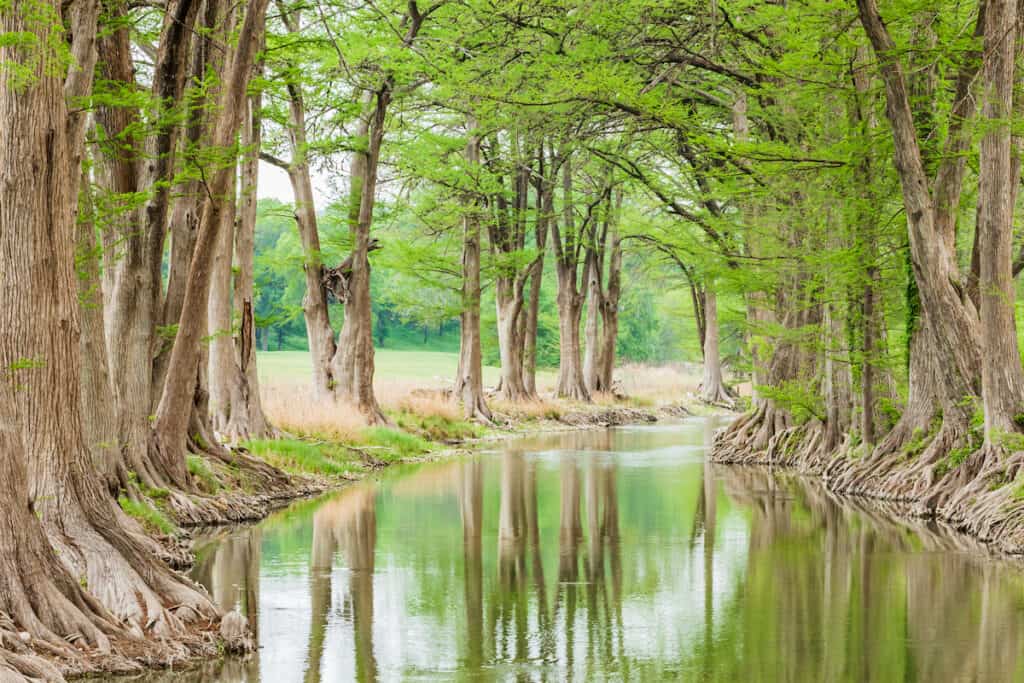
[
  {"x": 658, "y": 384},
  {"x": 537, "y": 409},
  {"x": 291, "y": 408}
]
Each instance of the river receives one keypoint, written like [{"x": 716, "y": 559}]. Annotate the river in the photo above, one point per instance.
[{"x": 607, "y": 555}]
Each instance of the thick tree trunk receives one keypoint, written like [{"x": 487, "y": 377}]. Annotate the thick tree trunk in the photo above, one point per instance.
[
  {"x": 222, "y": 371},
  {"x": 175, "y": 409},
  {"x": 713, "y": 385},
  {"x": 570, "y": 300},
  {"x": 353, "y": 360},
  {"x": 509, "y": 305},
  {"x": 248, "y": 420},
  {"x": 469, "y": 385},
  {"x": 99, "y": 419},
  {"x": 953, "y": 336},
  {"x": 136, "y": 285},
  {"x": 593, "y": 348},
  {"x": 39, "y": 177},
  {"x": 545, "y": 214},
  {"x": 1001, "y": 372}
]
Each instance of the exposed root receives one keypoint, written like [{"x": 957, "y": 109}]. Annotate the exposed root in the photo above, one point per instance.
[{"x": 909, "y": 468}]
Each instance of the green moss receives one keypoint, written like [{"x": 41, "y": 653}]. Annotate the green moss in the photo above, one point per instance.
[
  {"x": 200, "y": 469},
  {"x": 152, "y": 518}
]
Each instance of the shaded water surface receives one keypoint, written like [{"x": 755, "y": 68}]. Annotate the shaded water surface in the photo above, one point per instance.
[{"x": 607, "y": 556}]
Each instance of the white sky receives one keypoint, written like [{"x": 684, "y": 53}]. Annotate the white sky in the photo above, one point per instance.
[{"x": 273, "y": 183}]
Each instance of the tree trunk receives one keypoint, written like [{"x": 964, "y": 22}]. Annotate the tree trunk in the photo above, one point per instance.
[
  {"x": 248, "y": 420},
  {"x": 570, "y": 300},
  {"x": 314, "y": 302},
  {"x": 221, "y": 369},
  {"x": 545, "y": 211},
  {"x": 174, "y": 412},
  {"x": 469, "y": 385},
  {"x": 592, "y": 359},
  {"x": 610, "y": 304},
  {"x": 39, "y": 177},
  {"x": 353, "y": 361},
  {"x": 1001, "y": 373},
  {"x": 713, "y": 385},
  {"x": 952, "y": 338},
  {"x": 136, "y": 285},
  {"x": 99, "y": 418},
  {"x": 509, "y": 305}
]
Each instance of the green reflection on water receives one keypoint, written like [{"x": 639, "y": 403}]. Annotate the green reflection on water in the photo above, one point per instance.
[{"x": 612, "y": 555}]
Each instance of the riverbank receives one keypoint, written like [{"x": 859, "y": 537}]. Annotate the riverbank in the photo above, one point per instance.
[
  {"x": 977, "y": 492},
  {"x": 326, "y": 449}
]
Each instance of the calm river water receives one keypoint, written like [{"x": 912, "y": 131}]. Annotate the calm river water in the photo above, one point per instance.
[{"x": 607, "y": 555}]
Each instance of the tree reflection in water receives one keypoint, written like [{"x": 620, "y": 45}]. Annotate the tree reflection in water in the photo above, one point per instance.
[{"x": 609, "y": 555}]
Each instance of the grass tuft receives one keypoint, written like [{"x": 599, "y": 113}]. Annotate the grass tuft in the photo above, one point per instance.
[
  {"x": 200, "y": 469},
  {"x": 150, "y": 517},
  {"x": 294, "y": 455}
]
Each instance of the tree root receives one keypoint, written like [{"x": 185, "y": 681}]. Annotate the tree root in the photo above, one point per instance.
[{"x": 975, "y": 496}]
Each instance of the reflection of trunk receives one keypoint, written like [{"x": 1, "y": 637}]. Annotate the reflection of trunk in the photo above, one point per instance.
[
  {"x": 469, "y": 385},
  {"x": 321, "y": 565},
  {"x": 471, "y": 509},
  {"x": 511, "y": 556},
  {"x": 569, "y": 533},
  {"x": 359, "y": 544}
]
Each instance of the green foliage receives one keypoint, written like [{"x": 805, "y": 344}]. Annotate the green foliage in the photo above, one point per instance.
[
  {"x": 438, "y": 428},
  {"x": 802, "y": 401}
]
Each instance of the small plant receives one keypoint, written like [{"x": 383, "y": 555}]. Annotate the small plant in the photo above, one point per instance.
[
  {"x": 198, "y": 468},
  {"x": 150, "y": 517},
  {"x": 401, "y": 443}
]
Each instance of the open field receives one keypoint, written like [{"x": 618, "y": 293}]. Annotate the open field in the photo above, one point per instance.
[
  {"x": 423, "y": 368},
  {"x": 398, "y": 372}
]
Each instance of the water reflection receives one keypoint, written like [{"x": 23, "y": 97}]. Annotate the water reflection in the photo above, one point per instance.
[{"x": 617, "y": 554}]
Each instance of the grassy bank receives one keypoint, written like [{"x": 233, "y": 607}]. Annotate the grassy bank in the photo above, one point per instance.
[{"x": 323, "y": 444}]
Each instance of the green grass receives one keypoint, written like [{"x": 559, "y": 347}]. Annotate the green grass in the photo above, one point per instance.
[
  {"x": 294, "y": 366},
  {"x": 198, "y": 468},
  {"x": 437, "y": 427},
  {"x": 401, "y": 444},
  {"x": 294, "y": 455},
  {"x": 150, "y": 517}
]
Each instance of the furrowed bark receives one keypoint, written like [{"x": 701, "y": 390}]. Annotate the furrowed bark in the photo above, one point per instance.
[
  {"x": 1001, "y": 373},
  {"x": 570, "y": 299},
  {"x": 174, "y": 411},
  {"x": 469, "y": 385}
]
